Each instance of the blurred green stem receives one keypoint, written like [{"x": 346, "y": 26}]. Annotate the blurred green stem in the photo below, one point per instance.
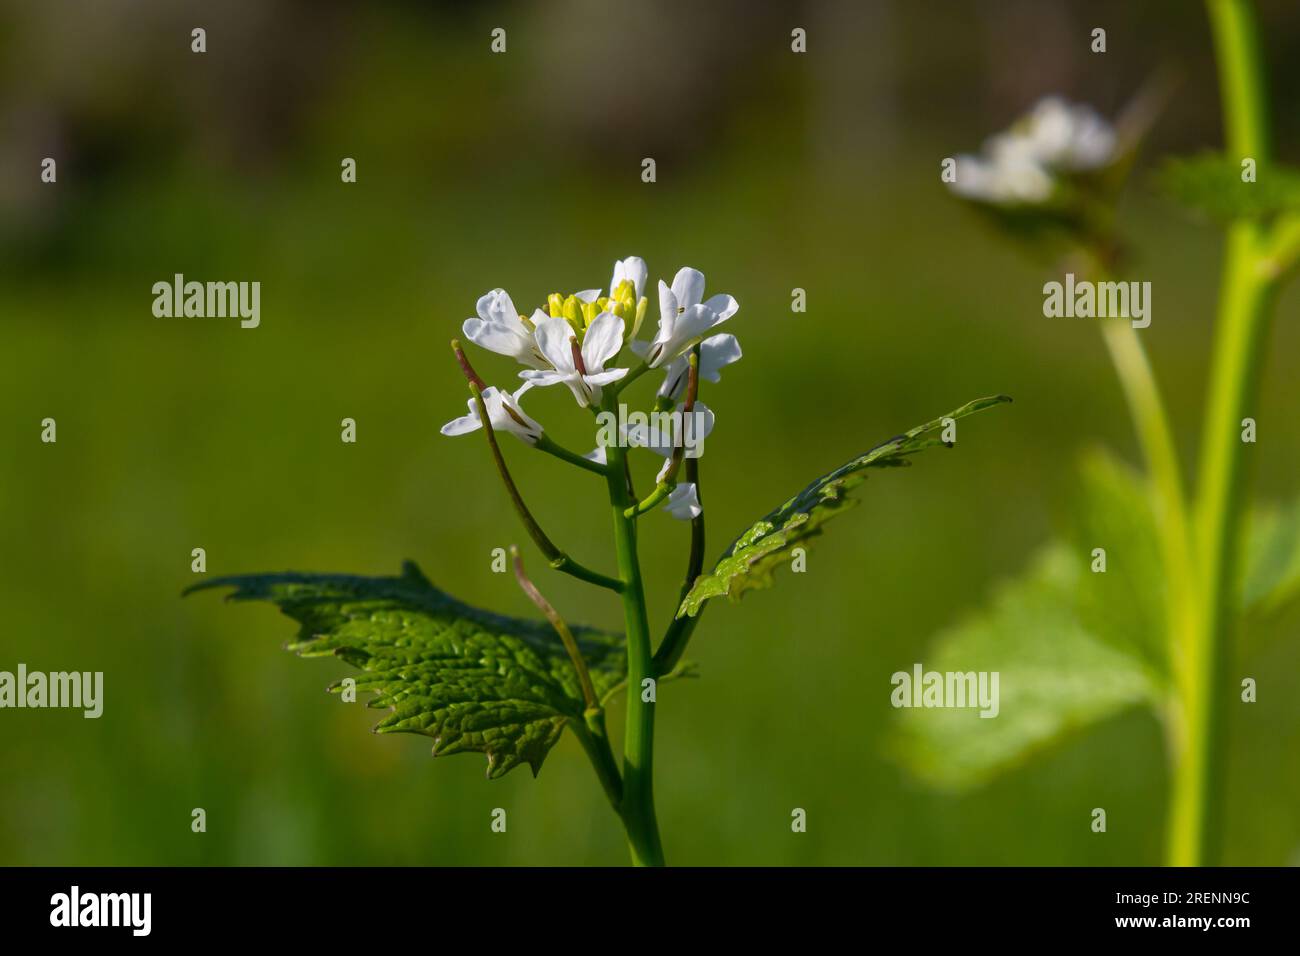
[
  {"x": 1196, "y": 816},
  {"x": 1155, "y": 435}
]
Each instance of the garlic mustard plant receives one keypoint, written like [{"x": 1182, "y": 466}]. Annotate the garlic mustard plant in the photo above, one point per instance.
[{"x": 509, "y": 688}]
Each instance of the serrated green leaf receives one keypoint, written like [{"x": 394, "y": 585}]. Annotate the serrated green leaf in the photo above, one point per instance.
[
  {"x": 470, "y": 679},
  {"x": 1211, "y": 184},
  {"x": 754, "y": 556},
  {"x": 1272, "y": 560},
  {"x": 1054, "y": 676}
]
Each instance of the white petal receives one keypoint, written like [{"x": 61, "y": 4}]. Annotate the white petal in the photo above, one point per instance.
[
  {"x": 675, "y": 377},
  {"x": 717, "y": 352},
  {"x": 497, "y": 308},
  {"x": 542, "y": 377},
  {"x": 587, "y": 295},
  {"x": 506, "y": 415},
  {"x": 689, "y": 430},
  {"x": 496, "y": 338},
  {"x": 463, "y": 425},
  {"x": 722, "y": 304},
  {"x": 604, "y": 378},
  {"x": 602, "y": 341},
  {"x": 632, "y": 269},
  {"x": 667, "y": 311},
  {"x": 691, "y": 324},
  {"x": 583, "y": 393},
  {"x": 684, "y": 502},
  {"x": 688, "y": 287},
  {"x": 552, "y": 335},
  {"x": 698, "y": 426}
]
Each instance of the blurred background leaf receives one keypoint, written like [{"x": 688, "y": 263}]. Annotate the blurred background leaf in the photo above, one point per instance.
[
  {"x": 1212, "y": 185},
  {"x": 1272, "y": 575},
  {"x": 1056, "y": 676}
]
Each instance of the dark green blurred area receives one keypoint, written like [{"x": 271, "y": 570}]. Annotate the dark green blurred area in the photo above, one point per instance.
[{"x": 522, "y": 170}]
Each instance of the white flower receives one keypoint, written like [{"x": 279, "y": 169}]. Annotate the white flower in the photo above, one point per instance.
[
  {"x": 1009, "y": 171},
  {"x": 683, "y": 317},
  {"x": 716, "y": 352},
  {"x": 601, "y": 342},
  {"x": 632, "y": 269},
  {"x": 1069, "y": 136},
  {"x": 503, "y": 412},
  {"x": 684, "y": 502},
  {"x": 686, "y": 429},
  {"x": 1020, "y": 165},
  {"x": 500, "y": 329}
]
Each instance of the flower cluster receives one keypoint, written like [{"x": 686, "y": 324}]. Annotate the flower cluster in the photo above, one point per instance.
[
  {"x": 1023, "y": 165},
  {"x": 576, "y": 340}
]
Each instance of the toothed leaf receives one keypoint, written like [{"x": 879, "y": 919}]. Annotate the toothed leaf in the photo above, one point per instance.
[
  {"x": 470, "y": 679},
  {"x": 756, "y": 554}
]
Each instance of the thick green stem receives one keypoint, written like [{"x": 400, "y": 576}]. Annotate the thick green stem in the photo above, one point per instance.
[
  {"x": 1196, "y": 813},
  {"x": 1202, "y": 674},
  {"x": 637, "y": 808}
]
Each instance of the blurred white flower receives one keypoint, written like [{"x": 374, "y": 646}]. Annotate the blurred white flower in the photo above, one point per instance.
[
  {"x": 1021, "y": 164},
  {"x": 504, "y": 413},
  {"x": 1006, "y": 173},
  {"x": 1069, "y": 136}
]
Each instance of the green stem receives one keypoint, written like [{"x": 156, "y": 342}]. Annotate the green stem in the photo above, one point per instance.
[
  {"x": 660, "y": 494},
  {"x": 617, "y": 388},
  {"x": 590, "y": 732},
  {"x": 557, "y": 558},
  {"x": 551, "y": 447},
  {"x": 562, "y": 629},
  {"x": 637, "y": 808},
  {"x": 679, "y": 630},
  {"x": 1196, "y": 814},
  {"x": 1151, "y": 422}
]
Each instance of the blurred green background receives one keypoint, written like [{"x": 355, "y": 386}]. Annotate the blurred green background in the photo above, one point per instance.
[{"x": 522, "y": 170}]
